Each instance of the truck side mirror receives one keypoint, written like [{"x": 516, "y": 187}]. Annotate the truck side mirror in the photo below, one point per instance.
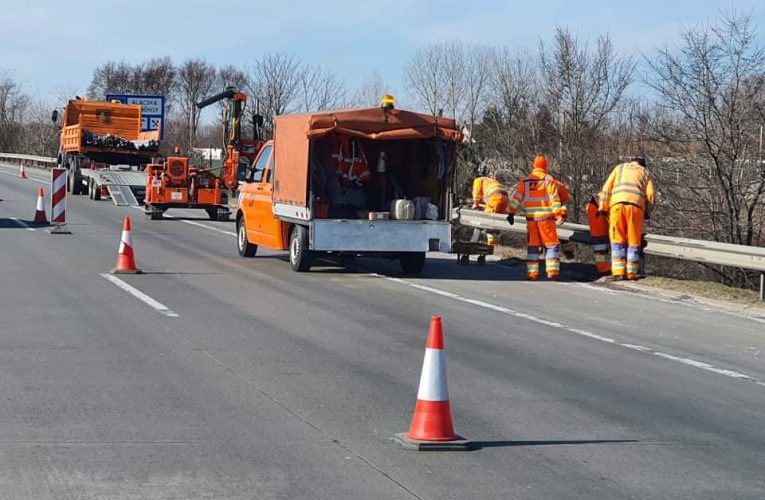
[
  {"x": 54, "y": 116},
  {"x": 257, "y": 119}
]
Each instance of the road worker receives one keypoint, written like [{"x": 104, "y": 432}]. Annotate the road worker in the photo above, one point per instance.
[
  {"x": 538, "y": 198},
  {"x": 350, "y": 161},
  {"x": 598, "y": 223},
  {"x": 628, "y": 197},
  {"x": 490, "y": 193}
]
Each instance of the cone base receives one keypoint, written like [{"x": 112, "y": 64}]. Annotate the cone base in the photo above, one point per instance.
[
  {"x": 458, "y": 444},
  {"x": 127, "y": 271}
]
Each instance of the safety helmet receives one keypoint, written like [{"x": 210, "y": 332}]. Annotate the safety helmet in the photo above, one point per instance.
[{"x": 540, "y": 162}]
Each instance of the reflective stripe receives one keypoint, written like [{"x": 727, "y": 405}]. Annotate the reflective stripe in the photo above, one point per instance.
[{"x": 601, "y": 247}]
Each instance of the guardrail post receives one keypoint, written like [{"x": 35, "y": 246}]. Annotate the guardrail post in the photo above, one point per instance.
[{"x": 762, "y": 286}]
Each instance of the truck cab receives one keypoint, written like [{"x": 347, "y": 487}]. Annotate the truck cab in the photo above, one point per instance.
[{"x": 375, "y": 182}]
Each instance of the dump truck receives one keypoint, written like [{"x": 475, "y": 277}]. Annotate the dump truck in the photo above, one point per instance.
[
  {"x": 175, "y": 183},
  {"x": 103, "y": 149},
  {"x": 300, "y": 196}
]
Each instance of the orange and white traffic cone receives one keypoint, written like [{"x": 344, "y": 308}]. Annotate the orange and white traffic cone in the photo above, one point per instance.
[
  {"x": 432, "y": 428},
  {"x": 125, "y": 256},
  {"x": 40, "y": 216},
  {"x": 22, "y": 173}
]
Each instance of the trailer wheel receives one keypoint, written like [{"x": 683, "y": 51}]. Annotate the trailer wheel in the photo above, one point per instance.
[
  {"x": 96, "y": 192},
  {"x": 412, "y": 263},
  {"x": 246, "y": 249},
  {"x": 212, "y": 213},
  {"x": 300, "y": 256}
]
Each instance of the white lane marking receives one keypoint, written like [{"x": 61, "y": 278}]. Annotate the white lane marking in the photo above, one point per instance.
[
  {"x": 140, "y": 295},
  {"x": 22, "y": 224},
  {"x": 193, "y": 223},
  {"x": 29, "y": 177},
  {"x": 585, "y": 333}
]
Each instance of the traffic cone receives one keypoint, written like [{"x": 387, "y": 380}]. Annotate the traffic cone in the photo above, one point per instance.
[
  {"x": 40, "y": 217},
  {"x": 22, "y": 173},
  {"x": 432, "y": 428},
  {"x": 125, "y": 257}
]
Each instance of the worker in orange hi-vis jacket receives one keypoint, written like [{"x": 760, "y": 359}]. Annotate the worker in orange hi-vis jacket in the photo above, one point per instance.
[
  {"x": 599, "y": 235},
  {"x": 628, "y": 197},
  {"x": 490, "y": 192},
  {"x": 537, "y": 196}
]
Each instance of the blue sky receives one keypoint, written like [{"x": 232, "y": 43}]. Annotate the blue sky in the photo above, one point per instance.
[{"x": 54, "y": 45}]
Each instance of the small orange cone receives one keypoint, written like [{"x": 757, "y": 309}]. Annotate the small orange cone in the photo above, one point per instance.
[
  {"x": 125, "y": 257},
  {"x": 40, "y": 216},
  {"x": 432, "y": 428},
  {"x": 22, "y": 173}
]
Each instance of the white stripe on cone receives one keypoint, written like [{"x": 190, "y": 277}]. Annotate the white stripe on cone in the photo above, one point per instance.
[
  {"x": 40, "y": 204},
  {"x": 433, "y": 385},
  {"x": 126, "y": 240}
]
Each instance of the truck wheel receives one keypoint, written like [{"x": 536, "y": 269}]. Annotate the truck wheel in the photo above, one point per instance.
[
  {"x": 96, "y": 192},
  {"x": 90, "y": 190},
  {"x": 412, "y": 263},
  {"x": 75, "y": 183},
  {"x": 300, "y": 256},
  {"x": 212, "y": 213},
  {"x": 246, "y": 249}
]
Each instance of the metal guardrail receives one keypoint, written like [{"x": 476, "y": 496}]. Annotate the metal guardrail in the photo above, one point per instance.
[
  {"x": 725, "y": 254},
  {"x": 28, "y": 160}
]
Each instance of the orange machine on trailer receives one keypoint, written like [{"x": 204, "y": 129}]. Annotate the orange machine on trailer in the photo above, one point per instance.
[
  {"x": 374, "y": 182},
  {"x": 176, "y": 184}
]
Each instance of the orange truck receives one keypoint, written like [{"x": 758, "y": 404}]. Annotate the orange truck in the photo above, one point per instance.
[
  {"x": 297, "y": 197},
  {"x": 104, "y": 150}
]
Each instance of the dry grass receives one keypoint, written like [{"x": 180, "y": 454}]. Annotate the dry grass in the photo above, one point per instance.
[{"x": 707, "y": 289}]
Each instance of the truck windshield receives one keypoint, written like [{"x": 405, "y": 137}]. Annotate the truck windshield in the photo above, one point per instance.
[{"x": 261, "y": 164}]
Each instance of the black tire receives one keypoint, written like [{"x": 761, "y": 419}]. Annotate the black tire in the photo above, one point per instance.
[
  {"x": 75, "y": 183},
  {"x": 212, "y": 213},
  {"x": 481, "y": 260},
  {"x": 156, "y": 215},
  {"x": 90, "y": 191},
  {"x": 96, "y": 192},
  {"x": 246, "y": 249},
  {"x": 300, "y": 256},
  {"x": 412, "y": 263}
]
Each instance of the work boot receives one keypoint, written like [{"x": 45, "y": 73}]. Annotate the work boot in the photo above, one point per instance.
[
  {"x": 616, "y": 277},
  {"x": 632, "y": 277},
  {"x": 532, "y": 277},
  {"x": 553, "y": 277}
]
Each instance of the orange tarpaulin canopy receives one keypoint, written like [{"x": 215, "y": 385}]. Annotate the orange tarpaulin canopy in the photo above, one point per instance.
[
  {"x": 293, "y": 134},
  {"x": 377, "y": 124}
]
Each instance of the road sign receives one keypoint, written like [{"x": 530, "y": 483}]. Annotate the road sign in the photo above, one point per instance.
[{"x": 152, "y": 110}]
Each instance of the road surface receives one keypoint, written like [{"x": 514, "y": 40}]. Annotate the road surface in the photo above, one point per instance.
[{"x": 241, "y": 379}]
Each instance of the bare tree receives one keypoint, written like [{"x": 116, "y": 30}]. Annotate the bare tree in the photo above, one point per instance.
[
  {"x": 275, "y": 81},
  {"x": 477, "y": 81},
  {"x": 157, "y": 76},
  {"x": 370, "y": 92},
  {"x": 424, "y": 78},
  {"x": 111, "y": 78},
  {"x": 320, "y": 89},
  {"x": 13, "y": 104},
  {"x": 583, "y": 87},
  {"x": 196, "y": 79},
  {"x": 40, "y": 134},
  {"x": 711, "y": 95}
]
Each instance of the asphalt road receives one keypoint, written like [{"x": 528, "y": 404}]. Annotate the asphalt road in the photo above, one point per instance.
[{"x": 257, "y": 382}]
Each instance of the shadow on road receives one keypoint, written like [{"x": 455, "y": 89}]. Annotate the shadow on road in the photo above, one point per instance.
[
  {"x": 477, "y": 445},
  {"x": 6, "y": 223}
]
